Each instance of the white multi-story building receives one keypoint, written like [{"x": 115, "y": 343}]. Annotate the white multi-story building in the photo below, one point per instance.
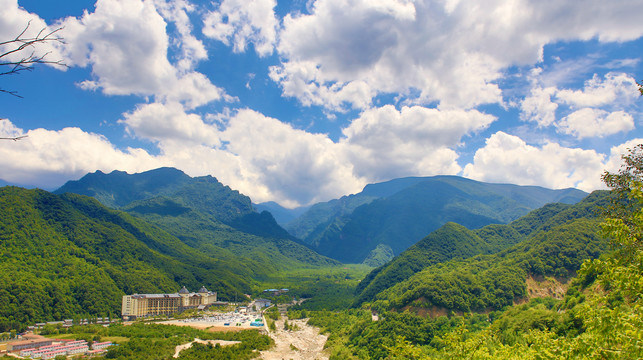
[
  {"x": 142, "y": 305},
  {"x": 101, "y": 345}
]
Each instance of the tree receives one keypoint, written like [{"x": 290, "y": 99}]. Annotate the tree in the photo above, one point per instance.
[
  {"x": 19, "y": 54},
  {"x": 623, "y": 183}
]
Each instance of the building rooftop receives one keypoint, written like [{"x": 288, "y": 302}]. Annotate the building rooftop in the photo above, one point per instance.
[{"x": 155, "y": 296}]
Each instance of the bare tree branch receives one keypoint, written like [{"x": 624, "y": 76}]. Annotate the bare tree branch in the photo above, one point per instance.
[
  {"x": 14, "y": 138},
  {"x": 25, "y": 46}
]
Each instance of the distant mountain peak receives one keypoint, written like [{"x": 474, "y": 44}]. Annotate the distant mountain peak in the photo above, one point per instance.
[{"x": 399, "y": 212}]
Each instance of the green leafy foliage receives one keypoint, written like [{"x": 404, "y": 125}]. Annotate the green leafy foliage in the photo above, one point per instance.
[{"x": 152, "y": 341}]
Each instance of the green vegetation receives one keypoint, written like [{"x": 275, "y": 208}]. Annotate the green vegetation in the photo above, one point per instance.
[
  {"x": 602, "y": 316},
  {"x": 458, "y": 293},
  {"x": 551, "y": 241},
  {"x": 324, "y": 288},
  {"x": 494, "y": 281},
  {"x": 119, "y": 189},
  {"x": 401, "y": 212},
  {"x": 67, "y": 256},
  {"x": 379, "y": 256},
  {"x": 152, "y": 341},
  {"x": 205, "y": 215},
  {"x": 272, "y": 313},
  {"x": 599, "y": 317},
  {"x": 449, "y": 242}
]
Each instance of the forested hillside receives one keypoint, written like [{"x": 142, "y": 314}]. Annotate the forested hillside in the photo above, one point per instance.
[
  {"x": 396, "y": 214},
  {"x": 491, "y": 306},
  {"x": 550, "y": 242},
  {"x": 453, "y": 241},
  {"x": 203, "y": 213},
  {"x": 272, "y": 249},
  {"x": 69, "y": 256}
]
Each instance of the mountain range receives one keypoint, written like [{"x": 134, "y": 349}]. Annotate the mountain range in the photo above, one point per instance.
[
  {"x": 458, "y": 269},
  {"x": 386, "y": 218},
  {"x": 68, "y": 255},
  {"x": 79, "y": 249}
]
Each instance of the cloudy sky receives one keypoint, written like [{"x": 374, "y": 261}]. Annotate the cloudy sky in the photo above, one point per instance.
[{"x": 303, "y": 101}]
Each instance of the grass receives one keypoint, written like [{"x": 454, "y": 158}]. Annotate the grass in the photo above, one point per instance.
[
  {"x": 115, "y": 339},
  {"x": 293, "y": 279}
]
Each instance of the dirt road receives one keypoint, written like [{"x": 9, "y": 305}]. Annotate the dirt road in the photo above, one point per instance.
[
  {"x": 306, "y": 343},
  {"x": 180, "y": 348}
]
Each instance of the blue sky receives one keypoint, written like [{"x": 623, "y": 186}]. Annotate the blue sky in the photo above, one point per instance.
[{"x": 303, "y": 101}]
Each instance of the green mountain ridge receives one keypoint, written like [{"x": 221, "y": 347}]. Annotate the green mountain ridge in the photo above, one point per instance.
[
  {"x": 474, "y": 270},
  {"x": 202, "y": 212},
  {"x": 68, "y": 255},
  {"x": 400, "y": 212},
  {"x": 119, "y": 189}
]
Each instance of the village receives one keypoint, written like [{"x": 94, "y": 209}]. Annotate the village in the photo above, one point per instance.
[{"x": 199, "y": 310}]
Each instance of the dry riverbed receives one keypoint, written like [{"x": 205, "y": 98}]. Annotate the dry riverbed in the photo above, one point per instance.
[{"x": 306, "y": 343}]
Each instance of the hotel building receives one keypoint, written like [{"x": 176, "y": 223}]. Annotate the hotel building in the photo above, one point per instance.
[{"x": 142, "y": 305}]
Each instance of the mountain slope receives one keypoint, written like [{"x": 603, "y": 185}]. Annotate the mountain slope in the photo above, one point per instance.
[
  {"x": 118, "y": 189},
  {"x": 203, "y": 213},
  {"x": 453, "y": 241},
  {"x": 68, "y": 255},
  {"x": 401, "y": 212},
  {"x": 556, "y": 241},
  {"x": 272, "y": 250}
]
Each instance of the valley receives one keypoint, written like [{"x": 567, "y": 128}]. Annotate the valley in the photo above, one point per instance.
[
  {"x": 522, "y": 267},
  {"x": 321, "y": 180}
]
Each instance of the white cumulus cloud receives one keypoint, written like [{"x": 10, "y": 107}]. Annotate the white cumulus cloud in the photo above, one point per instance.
[
  {"x": 270, "y": 160},
  {"x": 48, "y": 158},
  {"x": 126, "y": 44},
  {"x": 450, "y": 52},
  {"x": 538, "y": 106},
  {"x": 508, "y": 159},
  {"x": 242, "y": 22},
  {"x": 385, "y": 143},
  {"x": 596, "y": 110},
  {"x": 589, "y": 122},
  {"x": 614, "y": 88},
  {"x": 192, "y": 49},
  {"x": 164, "y": 122}
]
